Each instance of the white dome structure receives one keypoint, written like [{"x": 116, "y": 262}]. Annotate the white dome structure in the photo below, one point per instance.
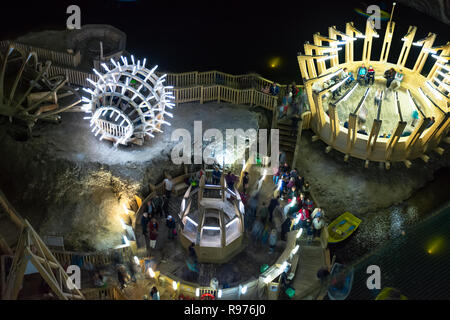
[{"x": 128, "y": 103}]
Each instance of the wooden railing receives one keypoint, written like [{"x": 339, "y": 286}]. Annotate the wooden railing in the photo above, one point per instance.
[
  {"x": 60, "y": 58},
  {"x": 109, "y": 293},
  {"x": 95, "y": 258},
  {"x": 222, "y": 93}
]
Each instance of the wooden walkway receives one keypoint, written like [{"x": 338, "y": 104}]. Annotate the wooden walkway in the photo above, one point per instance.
[{"x": 311, "y": 259}]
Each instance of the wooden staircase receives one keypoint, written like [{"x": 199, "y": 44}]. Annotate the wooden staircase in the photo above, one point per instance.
[{"x": 288, "y": 138}]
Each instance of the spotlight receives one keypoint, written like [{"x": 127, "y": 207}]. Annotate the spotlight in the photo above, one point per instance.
[{"x": 244, "y": 289}]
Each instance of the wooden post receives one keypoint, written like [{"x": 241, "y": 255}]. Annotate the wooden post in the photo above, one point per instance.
[
  {"x": 393, "y": 141},
  {"x": 423, "y": 55},
  {"x": 373, "y": 136},
  {"x": 201, "y": 95},
  {"x": 387, "y": 41},
  {"x": 4, "y": 247},
  {"x": 351, "y": 136},
  {"x": 406, "y": 46},
  {"x": 334, "y": 123},
  {"x": 415, "y": 135}
]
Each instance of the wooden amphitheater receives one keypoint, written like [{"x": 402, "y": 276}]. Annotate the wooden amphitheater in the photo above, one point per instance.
[{"x": 429, "y": 95}]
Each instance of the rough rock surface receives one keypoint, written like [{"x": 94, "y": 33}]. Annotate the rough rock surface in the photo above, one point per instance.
[
  {"x": 67, "y": 182},
  {"x": 340, "y": 186}
]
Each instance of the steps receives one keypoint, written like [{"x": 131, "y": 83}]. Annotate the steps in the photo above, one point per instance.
[{"x": 288, "y": 138}]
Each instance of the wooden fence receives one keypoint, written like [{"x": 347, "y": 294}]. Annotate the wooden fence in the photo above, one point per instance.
[
  {"x": 60, "y": 58},
  {"x": 95, "y": 258},
  {"x": 222, "y": 93}
]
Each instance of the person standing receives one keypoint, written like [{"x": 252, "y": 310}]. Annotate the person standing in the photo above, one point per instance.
[
  {"x": 153, "y": 232},
  {"x": 192, "y": 258},
  {"x": 286, "y": 227},
  {"x": 282, "y": 158},
  {"x": 274, "y": 89},
  {"x": 253, "y": 205},
  {"x": 245, "y": 181},
  {"x": 378, "y": 97},
  {"x": 272, "y": 241},
  {"x": 171, "y": 227},
  {"x": 150, "y": 209},
  {"x": 272, "y": 205},
  {"x": 415, "y": 118},
  {"x": 370, "y": 75},
  {"x": 216, "y": 174},
  {"x": 154, "y": 293},
  {"x": 318, "y": 224},
  {"x": 144, "y": 224},
  {"x": 263, "y": 213},
  {"x": 230, "y": 178},
  {"x": 165, "y": 206},
  {"x": 168, "y": 186},
  {"x": 157, "y": 205}
]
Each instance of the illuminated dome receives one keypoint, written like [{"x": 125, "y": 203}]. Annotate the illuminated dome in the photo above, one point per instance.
[
  {"x": 213, "y": 222},
  {"x": 128, "y": 103},
  {"x": 412, "y": 118}
]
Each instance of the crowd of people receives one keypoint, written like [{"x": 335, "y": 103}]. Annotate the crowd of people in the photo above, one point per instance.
[{"x": 299, "y": 210}]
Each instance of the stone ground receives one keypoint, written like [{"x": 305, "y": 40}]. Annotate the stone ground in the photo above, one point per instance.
[
  {"x": 68, "y": 183},
  {"x": 339, "y": 186}
]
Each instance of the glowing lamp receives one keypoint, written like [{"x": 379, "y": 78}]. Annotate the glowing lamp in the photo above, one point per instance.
[
  {"x": 128, "y": 103},
  {"x": 244, "y": 289}
]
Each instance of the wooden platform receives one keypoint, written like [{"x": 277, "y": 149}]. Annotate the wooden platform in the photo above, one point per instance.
[{"x": 311, "y": 259}]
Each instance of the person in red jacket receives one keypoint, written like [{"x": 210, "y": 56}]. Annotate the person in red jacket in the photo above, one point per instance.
[
  {"x": 153, "y": 232},
  {"x": 304, "y": 217}
]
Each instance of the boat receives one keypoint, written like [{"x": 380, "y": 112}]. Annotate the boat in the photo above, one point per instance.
[
  {"x": 389, "y": 293},
  {"x": 342, "y": 227},
  {"x": 341, "y": 282}
]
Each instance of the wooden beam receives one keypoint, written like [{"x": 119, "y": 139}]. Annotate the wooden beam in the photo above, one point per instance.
[
  {"x": 9, "y": 209},
  {"x": 48, "y": 277},
  {"x": 4, "y": 247}
]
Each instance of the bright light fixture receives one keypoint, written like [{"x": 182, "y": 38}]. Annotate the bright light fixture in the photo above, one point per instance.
[
  {"x": 122, "y": 223},
  {"x": 128, "y": 103},
  {"x": 434, "y": 90},
  {"x": 244, "y": 289}
]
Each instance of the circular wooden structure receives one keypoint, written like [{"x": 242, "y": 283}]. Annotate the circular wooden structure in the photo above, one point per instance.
[
  {"x": 212, "y": 222},
  {"x": 429, "y": 95},
  {"x": 128, "y": 102}
]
